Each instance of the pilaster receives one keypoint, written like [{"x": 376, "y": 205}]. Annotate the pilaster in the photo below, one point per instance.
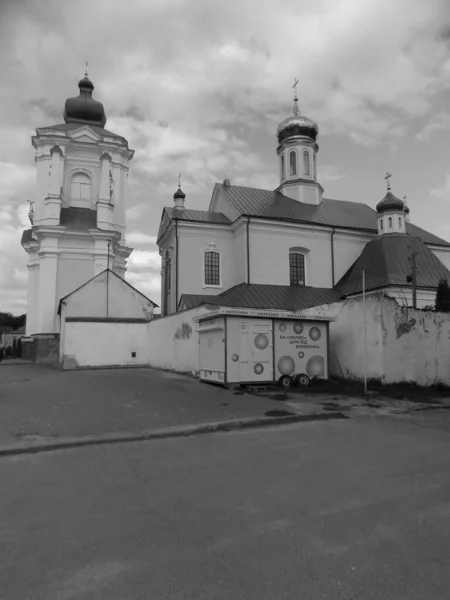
[{"x": 48, "y": 273}]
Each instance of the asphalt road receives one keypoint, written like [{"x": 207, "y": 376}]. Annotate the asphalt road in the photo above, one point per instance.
[{"x": 344, "y": 509}]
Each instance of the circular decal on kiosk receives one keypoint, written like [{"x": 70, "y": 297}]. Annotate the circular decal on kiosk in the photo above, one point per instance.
[
  {"x": 286, "y": 365},
  {"x": 235, "y": 357},
  {"x": 261, "y": 341},
  {"x": 258, "y": 368}
]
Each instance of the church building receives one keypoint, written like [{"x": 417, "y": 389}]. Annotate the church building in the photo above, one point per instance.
[
  {"x": 78, "y": 231},
  {"x": 292, "y": 248}
]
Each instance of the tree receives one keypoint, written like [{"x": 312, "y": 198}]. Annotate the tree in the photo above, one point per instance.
[{"x": 443, "y": 296}]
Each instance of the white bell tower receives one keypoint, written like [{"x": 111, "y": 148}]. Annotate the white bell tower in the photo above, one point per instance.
[
  {"x": 297, "y": 151},
  {"x": 78, "y": 215}
]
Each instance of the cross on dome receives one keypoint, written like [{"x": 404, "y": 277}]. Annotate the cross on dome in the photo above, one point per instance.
[{"x": 388, "y": 181}]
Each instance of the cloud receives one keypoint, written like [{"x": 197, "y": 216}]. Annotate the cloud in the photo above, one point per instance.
[
  {"x": 442, "y": 191},
  {"x": 441, "y": 122},
  {"x": 199, "y": 88},
  {"x": 330, "y": 173},
  {"x": 140, "y": 238}
]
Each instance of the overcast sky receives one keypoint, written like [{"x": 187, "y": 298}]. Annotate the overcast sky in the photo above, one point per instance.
[{"x": 199, "y": 86}]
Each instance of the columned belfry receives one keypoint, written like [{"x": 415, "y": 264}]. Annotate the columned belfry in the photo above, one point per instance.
[
  {"x": 297, "y": 151},
  {"x": 78, "y": 213}
]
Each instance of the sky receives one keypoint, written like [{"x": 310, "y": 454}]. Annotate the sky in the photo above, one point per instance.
[{"x": 199, "y": 87}]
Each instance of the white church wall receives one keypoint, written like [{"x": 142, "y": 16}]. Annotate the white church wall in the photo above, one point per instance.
[
  {"x": 443, "y": 255},
  {"x": 347, "y": 249},
  {"x": 72, "y": 273},
  {"x": 173, "y": 341},
  {"x": 98, "y": 344},
  {"x": 193, "y": 241},
  {"x": 219, "y": 204},
  {"x": 240, "y": 253},
  {"x": 269, "y": 251}
]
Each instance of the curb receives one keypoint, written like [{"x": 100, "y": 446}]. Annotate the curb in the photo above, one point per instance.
[{"x": 169, "y": 432}]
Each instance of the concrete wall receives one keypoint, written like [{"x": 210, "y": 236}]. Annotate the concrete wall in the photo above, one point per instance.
[
  {"x": 97, "y": 344},
  {"x": 173, "y": 341},
  {"x": 403, "y": 345}
]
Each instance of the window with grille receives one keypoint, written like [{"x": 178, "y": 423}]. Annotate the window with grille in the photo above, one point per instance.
[
  {"x": 80, "y": 187},
  {"x": 297, "y": 268},
  {"x": 212, "y": 268},
  {"x": 292, "y": 163}
]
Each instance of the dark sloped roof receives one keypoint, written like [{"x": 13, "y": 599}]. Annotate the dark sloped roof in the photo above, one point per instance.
[
  {"x": 193, "y": 300},
  {"x": 199, "y": 216},
  {"x": 331, "y": 213},
  {"x": 281, "y": 297},
  {"x": 386, "y": 262},
  {"x": 96, "y": 128},
  {"x": 78, "y": 219}
]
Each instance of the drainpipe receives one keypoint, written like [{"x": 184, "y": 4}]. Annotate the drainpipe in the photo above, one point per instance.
[
  {"x": 248, "y": 250},
  {"x": 332, "y": 256},
  {"x": 176, "y": 266}
]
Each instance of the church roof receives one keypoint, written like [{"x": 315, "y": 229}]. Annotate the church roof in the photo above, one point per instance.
[
  {"x": 386, "y": 262},
  {"x": 194, "y": 216},
  {"x": 267, "y": 204},
  {"x": 281, "y": 297},
  {"x": 193, "y": 300}
]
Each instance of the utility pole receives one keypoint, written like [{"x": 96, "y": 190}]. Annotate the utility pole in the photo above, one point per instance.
[{"x": 412, "y": 278}]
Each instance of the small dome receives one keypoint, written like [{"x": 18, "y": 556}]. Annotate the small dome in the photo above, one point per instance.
[
  {"x": 390, "y": 202},
  {"x": 406, "y": 210},
  {"x": 179, "y": 194},
  {"x": 297, "y": 125},
  {"x": 83, "y": 108}
]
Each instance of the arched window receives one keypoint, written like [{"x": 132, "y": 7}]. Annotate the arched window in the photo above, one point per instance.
[
  {"x": 292, "y": 163},
  {"x": 80, "y": 187},
  {"x": 399, "y": 222},
  {"x": 212, "y": 268},
  {"x": 282, "y": 166},
  {"x": 306, "y": 163},
  {"x": 381, "y": 224},
  {"x": 297, "y": 268},
  {"x": 390, "y": 222}
]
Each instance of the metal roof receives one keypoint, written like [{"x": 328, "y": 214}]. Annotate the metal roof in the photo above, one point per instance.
[
  {"x": 198, "y": 216},
  {"x": 281, "y": 297},
  {"x": 331, "y": 213},
  {"x": 386, "y": 262},
  {"x": 78, "y": 219},
  {"x": 193, "y": 300}
]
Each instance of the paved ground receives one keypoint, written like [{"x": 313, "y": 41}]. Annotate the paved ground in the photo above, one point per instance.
[
  {"x": 39, "y": 402},
  {"x": 356, "y": 509}
]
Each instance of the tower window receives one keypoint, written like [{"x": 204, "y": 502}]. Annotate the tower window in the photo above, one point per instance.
[
  {"x": 399, "y": 221},
  {"x": 80, "y": 187},
  {"x": 282, "y": 166},
  {"x": 297, "y": 268},
  {"x": 381, "y": 224},
  {"x": 306, "y": 163},
  {"x": 292, "y": 163},
  {"x": 212, "y": 268},
  {"x": 390, "y": 222}
]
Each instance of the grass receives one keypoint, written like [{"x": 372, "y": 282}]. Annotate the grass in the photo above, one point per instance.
[{"x": 398, "y": 391}]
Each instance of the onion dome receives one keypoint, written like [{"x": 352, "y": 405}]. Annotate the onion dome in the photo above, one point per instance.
[
  {"x": 390, "y": 202},
  {"x": 297, "y": 125},
  {"x": 179, "y": 194},
  {"x": 83, "y": 108},
  {"x": 406, "y": 210}
]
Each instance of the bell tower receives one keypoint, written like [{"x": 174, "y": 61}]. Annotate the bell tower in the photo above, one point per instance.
[
  {"x": 297, "y": 151},
  {"x": 78, "y": 214}
]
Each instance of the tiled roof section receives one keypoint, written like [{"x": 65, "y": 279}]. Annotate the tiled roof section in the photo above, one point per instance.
[
  {"x": 27, "y": 236},
  {"x": 193, "y": 300},
  {"x": 96, "y": 128},
  {"x": 281, "y": 297},
  {"x": 78, "y": 219},
  {"x": 331, "y": 213},
  {"x": 386, "y": 261},
  {"x": 198, "y": 216}
]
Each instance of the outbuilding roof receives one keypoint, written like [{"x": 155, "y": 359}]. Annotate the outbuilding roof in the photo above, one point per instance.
[
  {"x": 386, "y": 262},
  {"x": 193, "y": 300},
  {"x": 281, "y": 297}
]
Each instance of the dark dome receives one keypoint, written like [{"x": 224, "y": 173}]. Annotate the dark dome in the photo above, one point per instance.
[
  {"x": 297, "y": 125},
  {"x": 179, "y": 194},
  {"x": 83, "y": 108},
  {"x": 390, "y": 202},
  {"x": 406, "y": 209}
]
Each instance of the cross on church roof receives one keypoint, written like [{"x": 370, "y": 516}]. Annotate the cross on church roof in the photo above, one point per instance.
[
  {"x": 388, "y": 181},
  {"x": 295, "y": 96}
]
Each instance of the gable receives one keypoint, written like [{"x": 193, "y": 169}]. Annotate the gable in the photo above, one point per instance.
[
  {"x": 108, "y": 295},
  {"x": 220, "y": 204},
  {"x": 84, "y": 134}
]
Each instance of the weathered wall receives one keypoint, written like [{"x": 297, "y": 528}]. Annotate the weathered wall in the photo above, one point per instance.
[
  {"x": 97, "y": 344},
  {"x": 173, "y": 341},
  {"x": 402, "y": 344}
]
